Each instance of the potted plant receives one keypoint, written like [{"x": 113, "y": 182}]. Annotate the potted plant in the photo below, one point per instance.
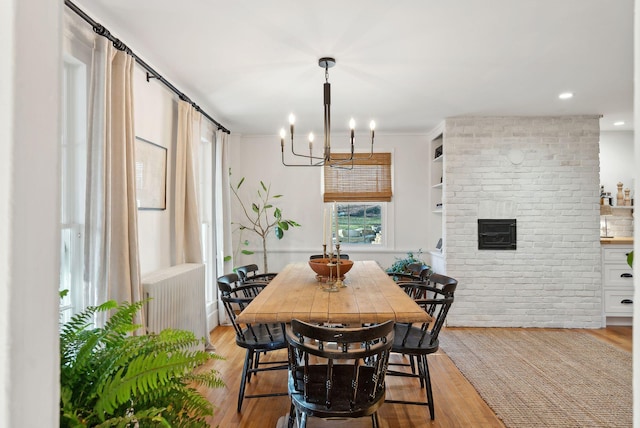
[
  {"x": 262, "y": 218},
  {"x": 109, "y": 377},
  {"x": 401, "y": 264}
]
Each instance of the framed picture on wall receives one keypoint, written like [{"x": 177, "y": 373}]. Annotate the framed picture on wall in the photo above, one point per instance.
[{"x": 151, "y": 175}]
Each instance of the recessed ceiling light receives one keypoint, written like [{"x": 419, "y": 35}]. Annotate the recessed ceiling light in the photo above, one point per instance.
[
  {"x": 565, "y": 95},
  {"x": 618, "y": 123}
]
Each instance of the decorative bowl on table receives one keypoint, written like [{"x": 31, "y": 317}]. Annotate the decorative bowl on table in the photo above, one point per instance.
[{"x": 327, "y": 268}]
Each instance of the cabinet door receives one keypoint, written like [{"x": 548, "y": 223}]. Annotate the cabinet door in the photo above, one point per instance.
[
  {"x": 618, "y": 275},
  {"x": 618, "y": 301},
  {"x": 616, "y": 254}
]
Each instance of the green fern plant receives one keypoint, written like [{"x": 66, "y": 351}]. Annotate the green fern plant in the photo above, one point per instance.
[{"x": 109, "y": 378}]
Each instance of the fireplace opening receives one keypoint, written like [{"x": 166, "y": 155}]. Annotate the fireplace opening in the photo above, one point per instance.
[{"x": 496, "y": 234}]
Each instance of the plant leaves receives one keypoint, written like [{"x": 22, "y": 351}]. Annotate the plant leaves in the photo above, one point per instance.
[
  {"x": 227, "y": 258},
  {"x": 283, "y": 225},
  {"x": 277, "y": 196},
  {"x": 263, "y": 186},
  {"x": 255, "y": 207},
  {"x": 110, "y": 378},
  {"x": 247, "y": 252},
  {"x": 279, "y": 232},
  {"x": 277, "y": 214},
  {"x": 240, "y": 183},
  {"x": 268, "y": 206}
]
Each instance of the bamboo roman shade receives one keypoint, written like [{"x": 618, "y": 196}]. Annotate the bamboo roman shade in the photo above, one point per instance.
[{"x": 368, "y": 181}]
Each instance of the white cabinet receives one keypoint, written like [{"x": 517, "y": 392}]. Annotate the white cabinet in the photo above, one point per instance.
[{"x": 617, "y": 282}]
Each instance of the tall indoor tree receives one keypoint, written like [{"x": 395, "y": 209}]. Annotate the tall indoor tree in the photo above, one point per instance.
[{"x": 262, "y": 217}]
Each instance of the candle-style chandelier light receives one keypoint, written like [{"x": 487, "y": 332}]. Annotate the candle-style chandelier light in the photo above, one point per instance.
[{"x": 327, "y": 157}]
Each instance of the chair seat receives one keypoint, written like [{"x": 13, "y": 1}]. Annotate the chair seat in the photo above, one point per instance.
[
  {"x": 262, "y": 337},
  {"x": 407, "y": 340}
]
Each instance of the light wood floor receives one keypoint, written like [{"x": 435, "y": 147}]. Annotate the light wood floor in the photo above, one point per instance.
[{"x": 457, "y": 404}]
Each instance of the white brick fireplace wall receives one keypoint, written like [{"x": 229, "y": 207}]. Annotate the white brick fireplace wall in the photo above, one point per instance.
[{"x": 544, "y": 172}]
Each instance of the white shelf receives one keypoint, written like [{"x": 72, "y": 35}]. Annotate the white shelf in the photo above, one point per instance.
[{"x": 436, "y": 190}]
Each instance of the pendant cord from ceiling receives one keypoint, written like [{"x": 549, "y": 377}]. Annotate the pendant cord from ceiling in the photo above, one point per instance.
[{"x": 151, "y": 73}]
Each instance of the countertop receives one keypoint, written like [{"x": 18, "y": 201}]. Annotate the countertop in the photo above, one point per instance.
[{"x": 626, "y": 240}]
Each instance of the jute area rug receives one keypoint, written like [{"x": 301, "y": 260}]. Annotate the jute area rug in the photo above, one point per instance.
[{"x": 545, "y": 378}]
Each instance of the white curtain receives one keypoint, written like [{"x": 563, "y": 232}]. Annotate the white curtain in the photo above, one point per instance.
[
  {"x": 187, "y": 242},
  {"x": 112, "y": 268},
  {"x": 224, "y": 243}
]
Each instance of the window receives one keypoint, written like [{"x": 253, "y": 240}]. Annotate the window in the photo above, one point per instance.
[
  {"x": 360, "y": 223},
  {"x": 206, "y": 186},
  {"x": 73, "y": 179},
  {"x": 361, "y": 194}
]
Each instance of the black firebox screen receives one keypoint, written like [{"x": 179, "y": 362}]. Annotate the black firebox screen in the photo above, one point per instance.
[{"x": 496, "y": 234}]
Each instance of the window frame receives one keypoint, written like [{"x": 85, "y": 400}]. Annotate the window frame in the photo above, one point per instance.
[{"x": 383, "y": 224}]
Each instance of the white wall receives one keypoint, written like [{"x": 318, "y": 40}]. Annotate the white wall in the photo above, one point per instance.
[
  {"x": 553, "y": 279},
  {"x": 616, "y": 161},
  {"x": 616, "y": 166},
  {"x": 258, "y": 158},
  {"x": 636, "y": 176},
  {"x": 31, "y": 64},
  {"x": 155, "y": 118}
]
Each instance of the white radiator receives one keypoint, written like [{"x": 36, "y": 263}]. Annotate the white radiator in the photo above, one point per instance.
[{"x": 177, "y": 299}]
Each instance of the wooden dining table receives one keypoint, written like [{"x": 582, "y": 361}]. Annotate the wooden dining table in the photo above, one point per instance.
[{"x": 369, "y": 296}]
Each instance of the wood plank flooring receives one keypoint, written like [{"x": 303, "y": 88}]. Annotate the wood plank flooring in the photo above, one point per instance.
[{"x": 457, "y": 404}]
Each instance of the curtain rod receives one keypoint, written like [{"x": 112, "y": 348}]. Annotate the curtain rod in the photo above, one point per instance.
[{"x": 151, "y": 73}]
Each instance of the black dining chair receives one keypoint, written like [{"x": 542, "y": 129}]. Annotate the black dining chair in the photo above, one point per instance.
[
  {"x": 337, "y": 372},
  {"x": 250, "y": 273},
  {"x": 257, "y": 339},
  {"x": 418, "y": 341},
  {"x": 228, "y": 282}
]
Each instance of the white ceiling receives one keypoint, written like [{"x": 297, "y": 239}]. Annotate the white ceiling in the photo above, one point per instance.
[{"x": 408, "y": 64}]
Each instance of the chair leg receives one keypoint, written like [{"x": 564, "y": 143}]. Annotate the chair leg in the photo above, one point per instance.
[
  {"x": 428, "y": 384},
  {"x": 374, "y": 420},
  {"x": 243, "y": 380},
  {"x": 302, "y": 421},
  {"x": 418, "y": 363},
  {"x": 255, "y": 362},
  {"x": 412, "y": 364},
  {"x": 292, "y": 415}
]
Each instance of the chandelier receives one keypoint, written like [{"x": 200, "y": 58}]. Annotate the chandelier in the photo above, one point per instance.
[{"x": 326, "y": 159}]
